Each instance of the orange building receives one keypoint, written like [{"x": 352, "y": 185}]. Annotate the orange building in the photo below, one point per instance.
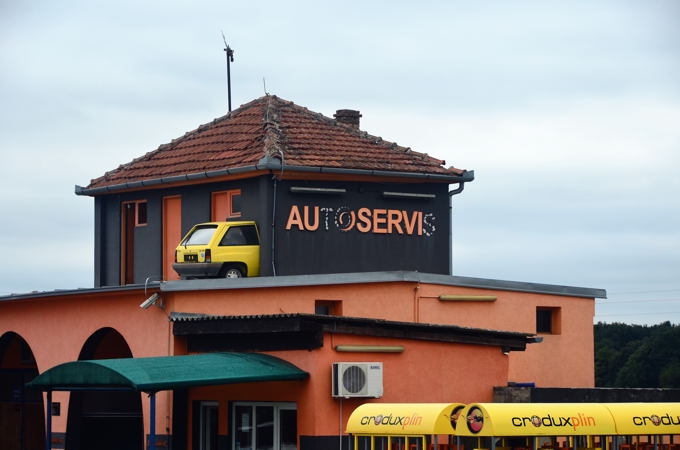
[{"x": 356, "y": 302}]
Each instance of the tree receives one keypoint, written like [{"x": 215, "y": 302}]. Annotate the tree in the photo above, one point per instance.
[{"x": 637, "y": 356}]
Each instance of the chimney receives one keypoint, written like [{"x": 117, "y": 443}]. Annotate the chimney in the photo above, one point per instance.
[{"x": 348, "y": 117}]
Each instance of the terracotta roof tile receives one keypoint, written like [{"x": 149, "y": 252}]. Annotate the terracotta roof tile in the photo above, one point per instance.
[{"x": 275, "y": 128}]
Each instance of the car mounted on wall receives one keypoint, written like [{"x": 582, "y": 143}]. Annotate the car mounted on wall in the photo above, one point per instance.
[{"x": 219, "y": 250}]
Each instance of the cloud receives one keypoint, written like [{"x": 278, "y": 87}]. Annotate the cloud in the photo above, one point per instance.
[{"x": 567, "y": 113}]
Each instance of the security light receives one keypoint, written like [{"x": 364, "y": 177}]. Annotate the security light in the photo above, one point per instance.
[{"x": 146, "y": 304}]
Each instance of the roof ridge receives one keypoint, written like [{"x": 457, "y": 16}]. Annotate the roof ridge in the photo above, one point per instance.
[
  {"x": 272, "y": 130},
  {"x": 175, "y": 141},
  {"x": 378, "y": 140},
  {"x": 205, "y": 125}
]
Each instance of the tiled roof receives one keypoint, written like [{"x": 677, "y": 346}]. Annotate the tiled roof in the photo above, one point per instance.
[{"x": 265, "y": 134}]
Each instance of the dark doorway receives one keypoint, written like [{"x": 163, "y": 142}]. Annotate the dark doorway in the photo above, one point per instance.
[
  {"x": 105, "y": 420},
  {"x": 22, "y": 419},
  {"x": 127, "y": 270}
]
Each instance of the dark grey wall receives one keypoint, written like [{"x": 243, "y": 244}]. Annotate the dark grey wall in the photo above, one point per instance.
[
  {"x": 147, "y": 239},
  {"x": 148, "y": 244},
  {"x": 107, "y": 241},
  {"x": 340, "y": 232},
  {"x": 332, "y": 243}
]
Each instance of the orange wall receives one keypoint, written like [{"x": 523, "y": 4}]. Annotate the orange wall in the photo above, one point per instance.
[
  {"x": 424, "y": 372},
  {"x": 566, "y": 359},
  {"x": 56, "y": 327},
  {"x": 573, "y": 348}
]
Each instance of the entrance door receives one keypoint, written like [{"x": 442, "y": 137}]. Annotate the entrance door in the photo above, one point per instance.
[
  {"x": 264, "y": 426},
  {"x": 208, "y": 422},
  {"x": 172, "y": 233},
  {"x": 127, "y": 270}
]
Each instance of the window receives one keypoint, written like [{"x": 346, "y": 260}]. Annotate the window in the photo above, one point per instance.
[
  {"x": 328, "y": 307},
  {"x": 234, "y": 236},
  {"x": 241, "y": 235},
  {"x": 137, "y": 209},
  {"x": 226, "y": 205},
  {"x": 141, "y": 214},
  {"x": 236, "y": 204},
  {"x": 264, "y": 426},
  {"x": 548, "y": 320},
  {"x": 201, "y": 235}
]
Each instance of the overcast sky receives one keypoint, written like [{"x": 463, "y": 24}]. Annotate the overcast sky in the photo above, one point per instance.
[{"x": 568, "y": 113}]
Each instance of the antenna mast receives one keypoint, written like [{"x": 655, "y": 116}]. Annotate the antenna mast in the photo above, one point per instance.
[{"x": 230, "y": 58}]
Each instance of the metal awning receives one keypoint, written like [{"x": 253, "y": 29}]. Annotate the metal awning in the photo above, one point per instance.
[
  {"x": 166, "y": 372},
  {"x": 159, "y": 374}
]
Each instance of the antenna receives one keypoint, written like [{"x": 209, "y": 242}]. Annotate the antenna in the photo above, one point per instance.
[{"x": 230, "y": 58}]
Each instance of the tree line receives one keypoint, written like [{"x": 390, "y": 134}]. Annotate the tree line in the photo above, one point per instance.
[{"x": 637, "y": 356}]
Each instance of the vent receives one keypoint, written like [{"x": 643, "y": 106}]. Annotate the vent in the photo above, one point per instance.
[{"x": 357, "y": 379}]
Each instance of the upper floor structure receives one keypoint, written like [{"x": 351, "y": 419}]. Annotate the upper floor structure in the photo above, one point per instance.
[{"x": 327, "y": 197}]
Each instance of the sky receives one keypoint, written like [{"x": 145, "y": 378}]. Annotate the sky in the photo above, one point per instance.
[{"x": 567, "y": 112}]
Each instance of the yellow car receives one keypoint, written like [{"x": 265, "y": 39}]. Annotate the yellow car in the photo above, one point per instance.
[{"x": 219, "y": 250}]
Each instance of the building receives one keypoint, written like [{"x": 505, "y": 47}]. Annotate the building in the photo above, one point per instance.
[{"x": 356, "y": 300}]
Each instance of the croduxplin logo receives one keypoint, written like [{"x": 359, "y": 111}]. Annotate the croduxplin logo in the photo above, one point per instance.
[
  {"x": 389, "y": 419},
  {"x": 475, "y": 420}
]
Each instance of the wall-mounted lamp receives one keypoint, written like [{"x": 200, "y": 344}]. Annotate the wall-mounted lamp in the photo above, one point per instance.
[
  {"x": 505, "y": 350},
  {"x": 416, "y": 195},
  {"x": 146, "y": 304},
  {"x": 317, "y": 190},
  {"x": 370, "y": 348},
  {"x": 467, "y": 298}
]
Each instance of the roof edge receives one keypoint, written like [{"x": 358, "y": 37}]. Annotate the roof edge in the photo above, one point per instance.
[
  {"x": 190, "y": 324},
  {"x": 271, "y": 164},
  {"x": 382, "y": 277},
  {"x": 321, "y": 279}
]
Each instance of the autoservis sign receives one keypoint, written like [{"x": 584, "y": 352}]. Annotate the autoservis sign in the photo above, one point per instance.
[{"x": 363, "y": 219}]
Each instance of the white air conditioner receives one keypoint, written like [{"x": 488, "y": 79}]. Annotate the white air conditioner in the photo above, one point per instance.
[{"x": 357, "y": 379}]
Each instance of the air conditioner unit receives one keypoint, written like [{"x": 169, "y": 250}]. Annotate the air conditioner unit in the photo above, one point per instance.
[{"x": 357, "y": 379}]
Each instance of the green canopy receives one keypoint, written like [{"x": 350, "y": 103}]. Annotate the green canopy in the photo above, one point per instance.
[{"x": 166, "y": 372}]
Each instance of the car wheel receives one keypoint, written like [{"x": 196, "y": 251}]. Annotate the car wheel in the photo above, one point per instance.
[{"x": 233, "y": 272}]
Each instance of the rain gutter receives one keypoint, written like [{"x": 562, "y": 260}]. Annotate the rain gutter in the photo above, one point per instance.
[{"x": 267, "y": 164}]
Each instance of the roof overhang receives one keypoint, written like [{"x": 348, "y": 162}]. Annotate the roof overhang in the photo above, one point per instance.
[
  {"x": 205, "y": 332},
  {"x": 273, "y": 165},
  {"x": 166, "y": 372}
]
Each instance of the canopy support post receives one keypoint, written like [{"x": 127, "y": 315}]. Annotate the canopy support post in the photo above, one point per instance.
[
  {"x": 152, "y": 421},
  {"x": 48, "y": 422}
]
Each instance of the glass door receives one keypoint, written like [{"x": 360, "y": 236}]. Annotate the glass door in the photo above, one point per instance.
[
  {"x": 264, "y": 426},
  {"x": 208, "y": 423}
]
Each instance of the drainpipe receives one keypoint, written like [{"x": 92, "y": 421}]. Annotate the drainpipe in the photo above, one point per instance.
[
  {"x": 273, "y": 230},
  {"x": 453, "y": 192}
]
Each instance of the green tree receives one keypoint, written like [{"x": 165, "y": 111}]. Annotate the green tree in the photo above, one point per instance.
[{"x": 637, "y": 356}]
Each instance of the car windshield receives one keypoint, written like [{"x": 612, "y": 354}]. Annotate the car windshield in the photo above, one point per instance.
[{"x": 201, "y": 235}]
